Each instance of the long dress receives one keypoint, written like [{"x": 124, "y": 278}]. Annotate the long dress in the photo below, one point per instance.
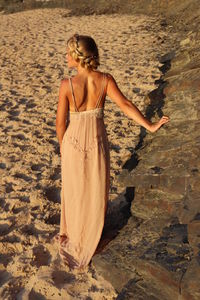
[{"x": 85, "y": 174}]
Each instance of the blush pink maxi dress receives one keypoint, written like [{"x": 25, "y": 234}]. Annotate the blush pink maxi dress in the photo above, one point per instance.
[{"x": 85, "y": 172}]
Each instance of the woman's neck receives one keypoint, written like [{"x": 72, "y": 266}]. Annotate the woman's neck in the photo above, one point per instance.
[{"x": 83, "y": 71}]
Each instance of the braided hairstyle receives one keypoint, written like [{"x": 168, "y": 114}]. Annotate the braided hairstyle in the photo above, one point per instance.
[{"x": 83, "y": 49}]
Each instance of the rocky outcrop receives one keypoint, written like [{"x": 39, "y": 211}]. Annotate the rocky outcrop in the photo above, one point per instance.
[{"x": 156, "y": 255}]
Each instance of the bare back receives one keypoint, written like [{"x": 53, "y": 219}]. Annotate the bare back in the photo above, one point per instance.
[{"x": 87, "y": 93}]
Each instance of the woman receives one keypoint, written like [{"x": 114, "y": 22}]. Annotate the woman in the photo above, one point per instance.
[{"x": 84, "y": 147}]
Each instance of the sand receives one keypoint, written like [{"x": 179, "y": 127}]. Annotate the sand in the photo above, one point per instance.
[{"x": 32, "y": 51}]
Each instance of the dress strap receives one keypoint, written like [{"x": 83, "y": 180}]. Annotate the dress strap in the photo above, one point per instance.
[
  {"x": 102, "y": 90},
  {"x": 73, "y": 97}
]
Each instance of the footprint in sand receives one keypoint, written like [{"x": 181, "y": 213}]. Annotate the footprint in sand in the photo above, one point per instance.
[
  {"x": 41, "y": 256},
  {"x": 61, "y": 278},
  {"x": 52, "y": 194}
]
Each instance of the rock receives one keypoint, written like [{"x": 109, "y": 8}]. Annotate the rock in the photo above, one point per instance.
[
  {"x": 111, "y": 272},
  {"x": 190, "y": 289},
  {"x": 136, "y": 90},
  {"x": 193, "y": 235},
  {"x": 159, "y": 257}
]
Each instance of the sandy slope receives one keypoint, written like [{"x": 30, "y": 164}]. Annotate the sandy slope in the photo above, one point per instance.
[{"x": 32, "y": 52}]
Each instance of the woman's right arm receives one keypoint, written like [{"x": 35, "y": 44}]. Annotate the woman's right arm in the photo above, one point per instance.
[
  {"x": 62, "y": 110},
  {"x": 131, "y": 110}
]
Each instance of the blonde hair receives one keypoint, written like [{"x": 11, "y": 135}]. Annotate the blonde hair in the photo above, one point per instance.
[{"x": 83, "y": 49}]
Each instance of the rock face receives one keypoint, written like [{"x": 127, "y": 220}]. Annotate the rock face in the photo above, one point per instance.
[{"x": 158, "y": 257}]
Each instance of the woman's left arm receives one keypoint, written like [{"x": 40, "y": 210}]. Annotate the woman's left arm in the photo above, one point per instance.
[{"x": 62, "y": 110}]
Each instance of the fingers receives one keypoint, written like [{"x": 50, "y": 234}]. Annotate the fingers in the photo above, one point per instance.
[
  {"x": 157, "y": 125},
  {"x": 164, "y": 119}
]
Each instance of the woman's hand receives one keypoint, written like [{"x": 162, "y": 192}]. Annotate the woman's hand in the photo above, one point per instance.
[{"x": 155, "y": 126}]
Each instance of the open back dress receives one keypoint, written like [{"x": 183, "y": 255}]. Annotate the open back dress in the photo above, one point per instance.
[{"x": 85, "y": 171}]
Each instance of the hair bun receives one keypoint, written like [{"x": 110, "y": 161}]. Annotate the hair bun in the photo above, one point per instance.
[{"x": 84, "y": 50}]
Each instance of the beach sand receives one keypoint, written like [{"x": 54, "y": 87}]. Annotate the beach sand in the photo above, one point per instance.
[{"x": 32, "y": 51}]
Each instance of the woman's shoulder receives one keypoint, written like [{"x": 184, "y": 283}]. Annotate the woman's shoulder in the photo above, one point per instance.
[
  {"x": 65, "y": 84},
  {"x": 66, "y": 80},
  {"x": 107, "y": 75}
]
